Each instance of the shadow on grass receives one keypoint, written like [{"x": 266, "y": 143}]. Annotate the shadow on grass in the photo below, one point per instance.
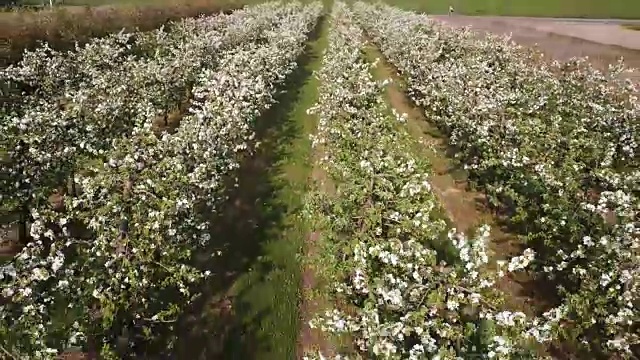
[{"x": 249, "y": 308}]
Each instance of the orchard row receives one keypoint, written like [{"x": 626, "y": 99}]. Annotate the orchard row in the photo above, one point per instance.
[
  {"x": 138, "y": 139},
  {"x": 123, "y": 257}
]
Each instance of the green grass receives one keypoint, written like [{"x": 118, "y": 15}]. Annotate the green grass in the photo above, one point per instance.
[
  {"x": 623, "y": 9},
  {"x": 262, "y": 232},
  {"x": 267, "y": 232},
  {"x": 277, "y": 290}
]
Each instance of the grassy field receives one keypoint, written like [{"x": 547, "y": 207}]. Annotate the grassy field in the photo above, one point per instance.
[{"x": 623, "y": 9}]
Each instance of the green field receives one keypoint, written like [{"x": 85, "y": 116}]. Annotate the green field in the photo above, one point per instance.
[{"x": 623, "y": 9}]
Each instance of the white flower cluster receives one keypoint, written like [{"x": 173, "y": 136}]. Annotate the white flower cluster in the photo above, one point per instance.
[
  {"x": 80, "y": 102},
  {"x": 403, "y": 288},
  {"x": 117, "y": 255},
  {"x": 556, "y": 144}
]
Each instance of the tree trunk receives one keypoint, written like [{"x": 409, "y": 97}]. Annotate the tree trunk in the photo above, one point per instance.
[
  {"x": 23, "y": 232},
  {"x": 73, "y": 184}
]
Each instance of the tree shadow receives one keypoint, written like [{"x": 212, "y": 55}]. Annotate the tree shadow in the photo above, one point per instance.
[{"x": 225, "y": 322}]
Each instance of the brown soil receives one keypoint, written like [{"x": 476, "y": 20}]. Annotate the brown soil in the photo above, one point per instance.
[
  {"x": 313, "y": 302},
  {"x": 171, "y": 122},
  {"x": 9, "y": 245},
  {"x": 312, "y": 340}
]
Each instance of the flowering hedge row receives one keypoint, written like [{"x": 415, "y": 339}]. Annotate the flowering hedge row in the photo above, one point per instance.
[
  {"x": 80, "y": 102},
  {"x": 405, "y": 285},
  {"x": 556, "y": 144},
  {"x": 132, "y": 271}
]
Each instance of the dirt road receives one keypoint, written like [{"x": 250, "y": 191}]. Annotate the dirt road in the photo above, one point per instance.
[{"x": 603, "y": 41}]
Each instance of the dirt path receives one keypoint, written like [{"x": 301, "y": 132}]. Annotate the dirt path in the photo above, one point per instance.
[
  {"x": 465, "y": 208},
  {"x": 605, "y": 32},
  {"x": 312, "y": 302},
  {"x": 604, "y": 43}
]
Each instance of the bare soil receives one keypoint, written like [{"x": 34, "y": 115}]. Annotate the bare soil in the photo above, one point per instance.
[
  {"x": 312, "y": 340},
  {"x": 314, "y": 299}
]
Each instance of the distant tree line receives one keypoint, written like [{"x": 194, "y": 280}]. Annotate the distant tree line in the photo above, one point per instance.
[
  {"x": 27, "y": 3},
  {"x": 5, "y": 3}
]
